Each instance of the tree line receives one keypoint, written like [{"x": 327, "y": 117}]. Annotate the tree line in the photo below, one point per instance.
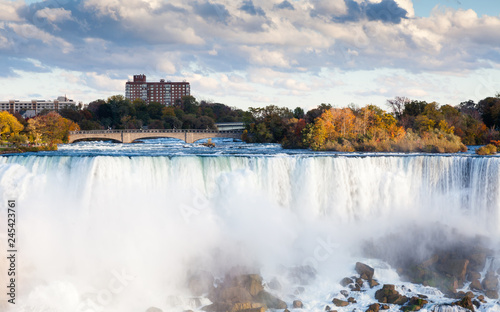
[
  {"x": 409, "y": 125},
  {"x": 42, "y": 132},
  {"x": 120, "y": 113}
]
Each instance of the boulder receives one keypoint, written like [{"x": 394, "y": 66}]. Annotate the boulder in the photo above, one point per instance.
[
  {"x": 492, "y": 294},
  {"x": 477, "y": 258},
  {"x": 476, "y": 285},
  {"x": 373, "y": 283},
  {"x": 365, "y": 271},
  {"x": 297, "y": 304},
  {"x": 430, "y": 262},
  {"x": 236, "y": 307},
  {"x": 417, "y": 301},
  {"x": 476, "y": 303},
  {"x": 414, "y": 304},
  {"x": 261, "y": 309},
  {"x": 454, "y": 267},
  {"x": 373, "y": 307},
  {"x": 351, "y": 300},
  {"x": 250, "y": 282},
  {"x": 466, "y": 302},
  {"x": 490, "y": 281},
  {"x": 274, "y": 284},
  {"x": 243, "y": 292},
  {"x": 270, "y": 301},
  {"x": 473, "y": 275},
  {"x": 217, "y": 307},
  {"x": 344, "y": 293},
  {"x": 327, "y": 308},
  {"x": 359, "y": 282},
  {"x": 253, "y": 283},
  {"x": 233, "y": 295},
  {"x": 340, "y": 303},
  {"x": 389, "y": 294},
  {"x": 346, "y": 281},
  {"x": 469, "y": 294},
  {"x": 248, "y": 307},
  {"x": 447, "y": 284}
]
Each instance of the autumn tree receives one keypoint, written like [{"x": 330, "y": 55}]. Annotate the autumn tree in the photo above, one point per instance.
[
  {"x": 50, "y": 128},
  {"x": 294, "y": 133},
  {"x": 9, "y": 125},
  {"x": 316, "y": 112}
]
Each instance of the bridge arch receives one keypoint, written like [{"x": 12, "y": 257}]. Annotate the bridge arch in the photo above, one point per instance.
[
  {"x": 201, "y": 137},
  {"x": 128, "y": 136},
  {"x": 95, "y": 139},
  {"x": 166, "y": 136}
]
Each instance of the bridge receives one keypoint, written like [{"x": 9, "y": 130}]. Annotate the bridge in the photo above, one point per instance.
[{"x": 129, "y": 136}]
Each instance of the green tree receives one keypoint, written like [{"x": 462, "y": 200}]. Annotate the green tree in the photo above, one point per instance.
[
  {"x": 317, "y": 112},
  {"x": 154, "y": 110},
  {"x": 489, "y": 108},
  {"x": 298, "y": 113}
]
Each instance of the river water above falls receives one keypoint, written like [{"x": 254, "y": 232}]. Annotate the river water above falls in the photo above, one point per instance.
[{"x": 121, "y": 227}]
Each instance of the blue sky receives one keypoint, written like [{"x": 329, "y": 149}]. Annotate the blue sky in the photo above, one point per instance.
[
  {"x": 254, "y": 52},
  {"x": 481, "y": 7}
]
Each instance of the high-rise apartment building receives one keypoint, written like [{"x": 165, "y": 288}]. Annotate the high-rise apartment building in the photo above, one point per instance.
[{"x": 164, "y": 92}]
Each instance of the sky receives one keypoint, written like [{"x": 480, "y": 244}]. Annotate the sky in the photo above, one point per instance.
[{"x": 253, "y": 53}]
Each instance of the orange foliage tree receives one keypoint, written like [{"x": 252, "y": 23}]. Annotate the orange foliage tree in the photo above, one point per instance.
[
  {"x": 50, "y": 128},
  {"x": 347, "y": 130}
]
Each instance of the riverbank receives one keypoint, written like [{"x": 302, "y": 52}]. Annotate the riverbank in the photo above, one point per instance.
[{"x": 27, "y": 148}]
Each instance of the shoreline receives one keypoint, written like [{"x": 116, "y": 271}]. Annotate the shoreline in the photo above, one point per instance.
[{"x": 26, "y": 149}]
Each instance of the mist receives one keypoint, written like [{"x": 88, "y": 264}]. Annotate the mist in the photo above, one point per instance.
[{"x": 127, "y": 233}]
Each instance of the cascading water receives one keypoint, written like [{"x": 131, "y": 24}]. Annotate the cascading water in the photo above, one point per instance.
[{"x": 119, "y": 233}]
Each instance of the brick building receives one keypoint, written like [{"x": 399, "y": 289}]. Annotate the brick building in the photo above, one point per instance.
[{"x": 164, "y": 92}]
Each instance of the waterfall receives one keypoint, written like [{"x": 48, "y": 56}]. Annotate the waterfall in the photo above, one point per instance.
[{"x": 84, "y": 222}]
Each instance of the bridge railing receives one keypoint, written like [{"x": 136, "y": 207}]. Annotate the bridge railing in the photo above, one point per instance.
[{"x": 154, "y": 131}]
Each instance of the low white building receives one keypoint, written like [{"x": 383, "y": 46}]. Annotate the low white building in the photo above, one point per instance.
[
  {"x": 34, "y": 107},
  {"x": 224, "y": 126}
]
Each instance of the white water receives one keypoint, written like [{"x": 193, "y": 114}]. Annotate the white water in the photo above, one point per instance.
[{"x": 122, "y": 233}]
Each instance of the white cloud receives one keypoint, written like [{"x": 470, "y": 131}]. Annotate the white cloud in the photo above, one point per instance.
[
  {"x": 28, "y": 31},
  {"x": 408, "y": 6},
  {"x": 222, "y": 50},
  {"x": 104, "y": 82},
  {"x": 167, "y": 66},
  {"x": 54, "y": 15},
  {"x": 264, "y": 57},
  {"x": 8, "y": 11}
]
